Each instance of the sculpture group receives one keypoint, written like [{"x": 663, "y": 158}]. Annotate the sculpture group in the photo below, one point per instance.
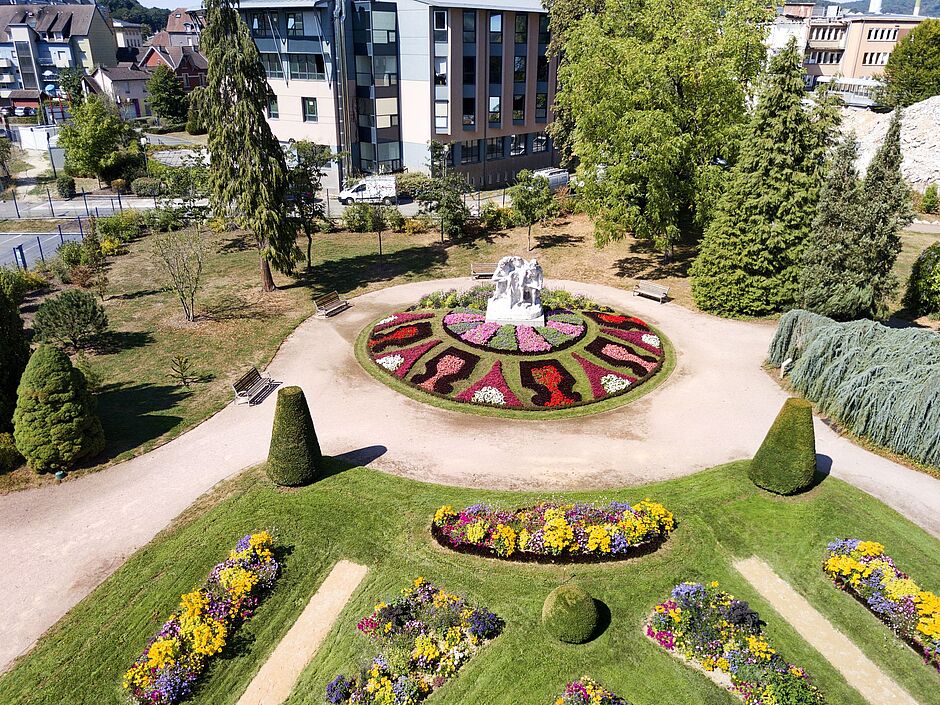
[{"x": 517, "y": 297}]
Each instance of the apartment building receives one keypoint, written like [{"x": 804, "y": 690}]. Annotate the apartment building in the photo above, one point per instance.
[{"x": 378, "y": 80}]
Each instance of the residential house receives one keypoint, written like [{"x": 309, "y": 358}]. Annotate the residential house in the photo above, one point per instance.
[
  {"x": 129, "y": 37},
  {"x": 126, "y": 86},
  {"x": 186, "y": 62},
  {"x": 184, "y": 26}
]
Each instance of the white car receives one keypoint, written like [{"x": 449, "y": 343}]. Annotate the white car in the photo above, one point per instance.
[{"x": 372, "y": 189}]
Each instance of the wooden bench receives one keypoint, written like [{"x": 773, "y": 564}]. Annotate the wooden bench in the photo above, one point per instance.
[
  {"x": 654, "y": 291},
  {"x": 331, "y": 303},
  {"x": 251, "y": 386},
  {"x": 482, "y": 270}
]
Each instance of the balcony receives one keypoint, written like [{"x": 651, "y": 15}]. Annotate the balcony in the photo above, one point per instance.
[{"x": 827, "y": 44}]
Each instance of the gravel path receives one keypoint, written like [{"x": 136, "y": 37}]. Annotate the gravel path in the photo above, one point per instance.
[
  {"x": 859, "y": 671},
  {"x": 61, "y": 541},
  {"x": 275, "y": 680}
]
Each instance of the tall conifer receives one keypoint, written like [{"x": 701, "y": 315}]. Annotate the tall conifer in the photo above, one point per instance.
[{"x": 14, "y": 352}]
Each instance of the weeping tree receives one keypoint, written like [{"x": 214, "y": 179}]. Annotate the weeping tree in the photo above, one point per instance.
[{"x": 248, "y": 177}]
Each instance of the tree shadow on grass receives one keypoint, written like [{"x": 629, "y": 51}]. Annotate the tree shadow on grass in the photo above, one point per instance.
[
  {"x": 130, "y": 415},
  {"x": 647, "y": 262},
  {"x": 349, "y": 273},
  {"x": 139, "y": 294},
  {"x": 547, "y": 240},
  {"x": 231, "y": 309},
  {"x": 114, "y": 341},
  {"x": 238, "y": 242}
]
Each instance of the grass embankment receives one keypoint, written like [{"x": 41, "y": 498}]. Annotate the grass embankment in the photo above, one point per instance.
[{"x": 382, "y": 521}]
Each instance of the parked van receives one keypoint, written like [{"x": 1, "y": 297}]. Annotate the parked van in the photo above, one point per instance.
[
  {"x": 556, "y": 178},
  {"x": 372, "y": 189}
]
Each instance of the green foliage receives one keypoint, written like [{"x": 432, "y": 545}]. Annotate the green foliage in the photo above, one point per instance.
[
  {"x": 95, "y": 133},
  {"x": 14, "y": 352},
  {"x": 650, "y": 100},
  {"x": 750, "y": 259},
  {"x": 569, "y": 614},
  {"x": 306, "y": 182},
  {"x": 55, "y": 423},
  {"x": 494, "y": 217},
  {"x": 880, "y": 383},
  {"x": 146, "y": 186},
  {"x": 393, "y": 219},
  {"x": 441, "y": 199},
  {"x": 195, "y": 124},
  {"x": 294, "y": 458},
  {"x": 167, "y": 96},
  {"x": 65, "y": 186},
  {"x": 124, "y": 226},
  {"x": 931, "y": 200},
  {"x": 153, "y": 17},
  {"x": 409, "y": 184},
  {"x": 15, "y": 283},
  {"x": 363, "y": 218},
  {"x": 912, "y": 73},
  {"x": 477, "y": 297},
  {"x": 786, "y": 461},
  {"x": 6, "y": 156},
  {"x": 923, "y": 288},
  {"x": 10, "y": 458},
  {"x": 532, "y": 200},
  {"x": 73, "y": 318},
  {"x": 122, "y": 167},
  {"x": 70, "y": 83}
]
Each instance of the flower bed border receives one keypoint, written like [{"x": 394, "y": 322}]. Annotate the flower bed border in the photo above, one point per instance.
[{"x": 517, "y": 352}]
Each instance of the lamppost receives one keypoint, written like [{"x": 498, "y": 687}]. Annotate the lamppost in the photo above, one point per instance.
[{"x": 143, "y": 147}]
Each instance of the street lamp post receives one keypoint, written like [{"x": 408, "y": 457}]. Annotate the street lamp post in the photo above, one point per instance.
[{"x": 143, "y": 146}]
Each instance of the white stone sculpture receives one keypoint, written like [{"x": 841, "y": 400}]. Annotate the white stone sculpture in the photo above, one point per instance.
[{"x": 517, "y": 299}]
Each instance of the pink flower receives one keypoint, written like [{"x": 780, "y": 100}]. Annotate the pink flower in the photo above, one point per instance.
[
  {"x": 530, "y": 341},
  {"x": 480, "y": 334},
  {"x": 452, "y": 318},
  {"x": 565, "y": 328}
]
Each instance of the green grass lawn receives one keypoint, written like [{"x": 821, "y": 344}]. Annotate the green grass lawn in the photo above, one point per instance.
[{"x": 382, "y": 521}]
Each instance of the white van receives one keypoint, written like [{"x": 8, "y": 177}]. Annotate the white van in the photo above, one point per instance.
[
  {"x": 372, "y": 189},
  {"x": 556, "y": 177}
]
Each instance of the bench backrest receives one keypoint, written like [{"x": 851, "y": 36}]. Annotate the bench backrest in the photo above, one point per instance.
[
  {"x": 486, "y": 267},
  {"x": 655, "y": 289},
  {"x": 247, "y": 381},
  {"x": 327, "y": 300}
]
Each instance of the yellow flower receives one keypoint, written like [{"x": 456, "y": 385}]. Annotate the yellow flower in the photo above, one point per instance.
[
  {"x": 237, "y": 581},
  {"x": 599, "y": 538},
  {"x": 162, "y": 653},
  {"x": 504, "y": 540},
  {"x": 557, "y": 535},
  {"x": 899, "y": 588},
  {"x": 869, "y": 548},
  {"x": 476, "y": 531},
  {"x": 523, "y": 539},
  {"x": 443, "y": 514},
  {"x": 193, "y": 604},
  {"x": 208, "y": 637},
  {"x": 760, "y": 648}
]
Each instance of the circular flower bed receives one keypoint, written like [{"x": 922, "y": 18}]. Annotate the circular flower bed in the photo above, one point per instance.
[{"x": 444, "y": 347}]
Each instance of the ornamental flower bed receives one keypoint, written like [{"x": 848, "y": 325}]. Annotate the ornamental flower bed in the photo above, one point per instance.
[
  {"x": 553, "y": 532},
  {"x": 585, "y": 691},
  {"x": 865, "y": 571},
  {"x": 722, "y": 634},
  {"x": 424, "y": 637},
  {"x": 562, "y": 329},
  {"x": 173, "y": 659}
]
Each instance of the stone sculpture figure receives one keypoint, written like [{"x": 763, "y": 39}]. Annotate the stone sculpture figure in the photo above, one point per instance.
[{"x": 517, "y": 296}]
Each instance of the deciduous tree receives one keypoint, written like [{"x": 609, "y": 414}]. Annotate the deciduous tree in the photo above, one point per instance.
[
  {"x": 306, "y": 182},
  {"x": 532, "y": 201},
  {"x": 912, "y": 73},
  {"x": 70, "y": 83},
  {"x": 181, "y": 256},
  {"x": 94, "y": 134},
  {"x": 167, "y": 96}
]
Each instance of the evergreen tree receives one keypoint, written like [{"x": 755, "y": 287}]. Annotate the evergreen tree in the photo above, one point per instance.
[
  {"x": 294, "y": 457},
  {"x": 55, "y": 423},
  {"x": 248, "y": 174},
  {"x": 14, "y": 352},
  {"x": 834, "y": 279},
  {"x": 167, "y": 97},
  {"x": 752, "y": 251},
  {"x": 888, "y": 211}
]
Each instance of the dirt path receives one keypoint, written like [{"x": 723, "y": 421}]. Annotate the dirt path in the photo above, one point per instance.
[
  {"x": 863, "y": 675},
  {"x": 61, "y": 541},
  {"x": 275, "y": 680}
]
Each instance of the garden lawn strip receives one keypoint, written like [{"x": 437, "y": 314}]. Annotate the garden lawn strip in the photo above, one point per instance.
[
  {"x": 274, "y": 682},
  {"x": 874, "y": 685}
]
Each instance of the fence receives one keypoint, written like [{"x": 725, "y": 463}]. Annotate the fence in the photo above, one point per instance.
[
  {"x": 25, "y": 249},
  {"x": 81, "y": 205}
]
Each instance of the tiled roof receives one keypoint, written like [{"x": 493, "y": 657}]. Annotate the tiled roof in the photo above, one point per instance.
[
  {"x": 125, "y": 73},
  {"x": 70, "y": 20},
  {"x": 179, "y": 18}
]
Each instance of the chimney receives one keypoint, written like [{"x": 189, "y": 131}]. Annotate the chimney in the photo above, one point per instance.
[
  {"x": 916, "y": 8},
  {"x": 874, "y": 7}
]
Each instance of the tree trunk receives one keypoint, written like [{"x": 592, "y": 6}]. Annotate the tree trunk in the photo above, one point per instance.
[
  {"x": 309, "y": 247},
  {"x": 267, "y": 280},
  {"x": 529, "y": 238}
]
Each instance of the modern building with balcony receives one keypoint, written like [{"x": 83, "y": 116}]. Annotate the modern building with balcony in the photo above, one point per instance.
[{"x": 378, "y": 81}]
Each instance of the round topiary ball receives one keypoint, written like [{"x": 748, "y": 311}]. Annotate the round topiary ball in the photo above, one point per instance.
[{"x": 569, "y": 614}]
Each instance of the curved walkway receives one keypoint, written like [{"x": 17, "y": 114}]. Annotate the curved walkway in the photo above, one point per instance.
[{"x": 61, "y": 541}]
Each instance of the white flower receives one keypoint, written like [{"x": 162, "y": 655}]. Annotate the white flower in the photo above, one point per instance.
[
  {"x": 391, "y": 362},
  {"x": 613, "y": 384},
  {"x": 388, "y": 319},
  {"x": 651, "y": 339},
  {"x": 488, "y": 395}
]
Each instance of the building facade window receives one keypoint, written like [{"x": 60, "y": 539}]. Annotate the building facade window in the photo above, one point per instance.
[
  {"x": 383, "y": 27},
  {"x": 25, "y": 60},
  {"x": 469, "y": 26},
  {"x": 495, "y": 148},
  {"x": 295, "y": 24},
  {"x": 261, "y": 23},
  {"x": 496, "y": 70},
  {"x": 824, "y": 57},
  {"x": 522, "y": 28},
  {"x": 440, "y": 26},
  {"x": 470, "y": 152},
  {"x": 518, "y": 69},
  {"x": 273, "y": 68},
  {"x": 541, "y": 106},
  {"x": 273, "y": 112},
  {"x": 494, "y": 116},
  {"x": 469, "y": 70},
  {"x": 440, "y": 70},
  {"x": 440, "y": 115},
  {"x": 386, "y": 70},
  {"x": 309, "y": 109},
  {"x": 307, "y": 67},
  {"x": 496, "y": 28},
  {"x": 517, "y": 145},
  {"x": 539, "y": 142},
  {"x": 883, "y": 34},
  {"x": 469, "y": 112},
  {"x": 541, "y": 69},
  {"x": 544, "y": 36},
  {"x": 518, "y": 107}
]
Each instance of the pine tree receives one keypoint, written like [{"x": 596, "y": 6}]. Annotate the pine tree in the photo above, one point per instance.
[
  {"x": 834, "y": 279},
  {"x": 55, "y": 423},
  {"x": 888, "y": 210},
  {"x": 752, "y": 251},
  {"x": 14, "y": 352},
  {"x": 248, "y": 174}
]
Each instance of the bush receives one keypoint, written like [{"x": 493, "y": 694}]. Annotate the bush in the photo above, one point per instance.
[
  {"x": 14, "y": 352},
  {"x": 394, "y": 219},
  {"x": 362, "y": 218},
  {"x": 123, "y": 227},
  {"x": 55, "y": 423},
  {"x": 70, "y": 254},
  {"x": 15, "y": 283},
  {"x": 923, "y": 288},
  {"x": 122, "y": 166},
  {"x": 146, "y": 186},
  {"x": 413, "y": 226},
  {"x": 786, "y": 461},
  {"x": 73, "y": 318},
  {"x": 410, "y": 183},
  {"x": 294, "y": 457},
  {"x": 65, "y": 186},
  {"x": 493, "y": 217},
  {"x": 931, "y": 200},
  {"x": 165, "y": 219},
  {"x": 10, "y": 458},
  {"x": 569, "y": 614},
  {"x": 81, "y": 276},
  {"x": 119, "y": 185}
]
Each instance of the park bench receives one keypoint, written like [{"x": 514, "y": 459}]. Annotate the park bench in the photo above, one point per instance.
[
  {"x": 331, "y": 303},
  {"x": 654, "y": 291},
  {"x": 482, "y": 270},
  {"x": 252, "y": 386}
]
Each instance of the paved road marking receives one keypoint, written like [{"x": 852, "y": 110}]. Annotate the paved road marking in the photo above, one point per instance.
[{"x": 275, "y": 681}]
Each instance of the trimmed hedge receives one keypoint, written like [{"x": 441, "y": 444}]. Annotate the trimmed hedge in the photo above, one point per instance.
[
  {"x": 786, "y": 461},
  {"x": 923, "y": 288},
  {"x": 294, "y": 457},
  {"x": 569, "y": 614},
  {"x": 146, "y": 186},
  {"x": 65, "y": 186}
]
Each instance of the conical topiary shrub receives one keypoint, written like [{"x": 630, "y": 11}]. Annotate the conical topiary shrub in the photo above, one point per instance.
[
  {"x": 786, "y": 461},
  {"x": 55, "y": 423},
  {"x": 294, "y": 458},
  {"x": 569, "y": 614}
]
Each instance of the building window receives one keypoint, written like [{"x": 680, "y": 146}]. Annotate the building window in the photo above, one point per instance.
[
  {"x": 544, "y": 35},
  {"x": 469, "y": 112},
  {"x": 386, "y": 70},
  {"x": 469, "y": 26},
  {"x": 310, "y": 109},
  {"x": 386, "y": 112},
  {"x": 470, "y": 152},
  {"x": 541, "y": 106},
  {"x": 496, "y": 28},
  {"x": 295, "y": 24},
  {"x": 518, "y": 107},
  {"x": 495, "y": 148},
  {"x": 469, "y": 70},
  {"x": 440, "y": 115},
  {"x": 518, "y": 69},
  {"x": 541, "y": 69},
  {"x": 440, "y": 26},
  {"x": 261, "y": 22},
  {"x": 522, "y": 28},
  {"x": 517, "y": 145},
  {"x": 539, "y": 142},
  {"x": 273, "y": 68},
  {"x": 307, "y": 67},
  {"x": 440, "y": 70},
  {"x": 496, "y": 70},
  {"x": 494, "y": 109},
  {"x": 273, "y": 113},
  {"x": 363, "y": 71},
  {"x": 383, "y": 27}
]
